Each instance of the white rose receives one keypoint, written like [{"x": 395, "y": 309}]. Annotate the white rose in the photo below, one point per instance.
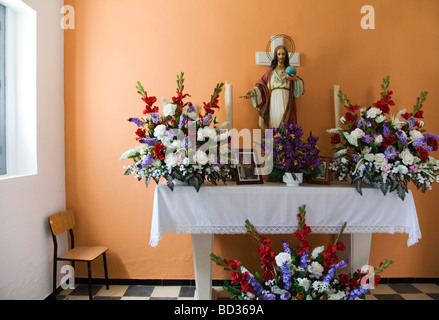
[
  {"x": 379, "y": 139},
  {"x": 175, "y": 144},
  {"x": 380, "y": 119},
  {"x": 352, "y": 140},
  {"x": 159, "y": 130},
  {"x": 373, "y": 112},
  {"x": 186, "y": 161},
  {"x": 200, "y": 134},
  {"x": 380, "y": 158},
  {"x": 283, "y": 257},
  {"x": 156, "y": 163},
  {"x": 407, "y": 157},
  {"x": 415, "y": 135},
  {"x": 200, "y": 157},
  {"x": 357, "y": 133},
  {"x": 169, "y": 109},
  {"x": 171, "y": 159},
  {"x": 209, "y": 132},
  {"x": 369, "y": 157},
  {"x": 402, "y": 169},
  {"x": 316, "y": 269}
]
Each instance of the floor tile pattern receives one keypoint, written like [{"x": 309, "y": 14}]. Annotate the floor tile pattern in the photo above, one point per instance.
[{"x": 391, "y": 291}]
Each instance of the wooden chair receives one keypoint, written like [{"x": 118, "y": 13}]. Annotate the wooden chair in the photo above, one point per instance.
[{"x": 65, "y": 221}]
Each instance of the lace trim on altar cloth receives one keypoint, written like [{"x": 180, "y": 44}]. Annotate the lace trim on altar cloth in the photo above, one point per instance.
[{"x": 414, "y": 235}]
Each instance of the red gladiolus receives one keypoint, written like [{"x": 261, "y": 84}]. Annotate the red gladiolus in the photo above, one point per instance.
[
  {"x": 406, "y": 115},
  {"x": 353, "y": 108},
  {"x": 149, "y": 100},
  {"x": 382, "y": 105},
  {"x": 140, "y": 133},
  {"x": 351, "y": 117},
  {"x": 159, "y": 151},
  {"x": 419, "y": 114}
]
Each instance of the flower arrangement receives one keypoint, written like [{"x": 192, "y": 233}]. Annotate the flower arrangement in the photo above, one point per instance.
[
  {"x": 180, "y": 144},
  {"x": 292, "y": 153},
  {"x": 299, "y": 272},
  {"x": 388, "y": 151}
]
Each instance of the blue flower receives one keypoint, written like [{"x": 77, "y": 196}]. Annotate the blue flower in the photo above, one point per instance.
[
  {"x": 286, "y": 247},
  {"x": 286, "y": 275}
]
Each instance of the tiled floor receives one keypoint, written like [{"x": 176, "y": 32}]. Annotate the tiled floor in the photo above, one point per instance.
[{"x": 396, "y": 291}]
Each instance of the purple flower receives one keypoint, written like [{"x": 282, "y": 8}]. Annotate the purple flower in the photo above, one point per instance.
[
  {"x": 285, "y": 296},
  {"x": 255, "y": 284},
  {"x": 191, "y": 107},
  {"x": 155, "y": 117},
  {"x": 386, "y": 128},
  {"x": 147, "y": 161},
  {"x": 136, "y": 121},
  {"x": 286, "y": 275},
  {"x": 355, "y": 158},
  {"x": 149, "y": 141},
  {"x": 207, "y": 119},
  {"x": 367, "y": 138},
  {"x": 402, "y": 137},
  {"x": 304, "y": 260},
  {"x": 269, "y": 296},
  {"x": 358, "y": 292},
  {"x": 390, "y": 152},
  {"x": 182, "y": 121},
  {"x": 420, "y": 142},
  {"x": 286, "y": 247},
  {"x": 411, "y": 122}
]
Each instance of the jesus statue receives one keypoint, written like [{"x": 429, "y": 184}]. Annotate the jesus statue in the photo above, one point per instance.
[{"x": 274, "y": 94}]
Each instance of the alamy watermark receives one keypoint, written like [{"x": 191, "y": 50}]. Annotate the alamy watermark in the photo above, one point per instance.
[{"x": 367, "y": 21}]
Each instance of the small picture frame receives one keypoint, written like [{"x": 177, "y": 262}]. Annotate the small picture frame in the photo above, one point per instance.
[
  {"x": 325, "y": 176},
  {"x": 246, "y": 165}
]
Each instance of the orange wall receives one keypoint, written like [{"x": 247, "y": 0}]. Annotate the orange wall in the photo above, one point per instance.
[{"x": 117, "y": 43}]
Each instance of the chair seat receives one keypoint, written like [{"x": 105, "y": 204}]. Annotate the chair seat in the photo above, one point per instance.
[{"x": 83, "y": 253}]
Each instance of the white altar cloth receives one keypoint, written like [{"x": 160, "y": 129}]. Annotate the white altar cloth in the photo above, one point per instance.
[{"x": 272, "y": 209}]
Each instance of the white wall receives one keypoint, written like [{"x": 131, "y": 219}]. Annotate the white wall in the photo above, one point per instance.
[{"x": 26, "y": 202}]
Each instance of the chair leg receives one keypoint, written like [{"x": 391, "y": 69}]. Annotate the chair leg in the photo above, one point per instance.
[
  {"x": 54, "y": 276},
  {"x": 105, "y": 270},
  {"x": 89, "y": 280}
]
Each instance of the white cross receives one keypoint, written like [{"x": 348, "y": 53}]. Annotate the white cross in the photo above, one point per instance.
[{"x": 262, "y": 58}]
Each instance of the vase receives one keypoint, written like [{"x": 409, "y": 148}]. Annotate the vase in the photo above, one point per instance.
[{"x": 289, "y": 179}]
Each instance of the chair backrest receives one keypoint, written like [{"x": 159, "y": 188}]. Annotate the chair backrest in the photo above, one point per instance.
[{"x": 62, "y": 221}]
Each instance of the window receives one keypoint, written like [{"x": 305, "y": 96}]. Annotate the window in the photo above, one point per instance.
[
  {"x": 2, "y": 90},
  {"x": 18, "y": 111}
]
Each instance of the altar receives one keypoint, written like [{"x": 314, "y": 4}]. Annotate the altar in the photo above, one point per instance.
[{"x": 272, "y": 209}]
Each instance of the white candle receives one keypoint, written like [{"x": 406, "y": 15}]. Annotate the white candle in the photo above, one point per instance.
[
  {"x": 228, "y": 98},
  {"x": 336, "y": 106}
]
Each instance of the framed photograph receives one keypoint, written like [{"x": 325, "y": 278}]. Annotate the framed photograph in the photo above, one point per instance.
[
  {"x": 246, "y": 165},
  {"x": 325, "y": 176}
]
